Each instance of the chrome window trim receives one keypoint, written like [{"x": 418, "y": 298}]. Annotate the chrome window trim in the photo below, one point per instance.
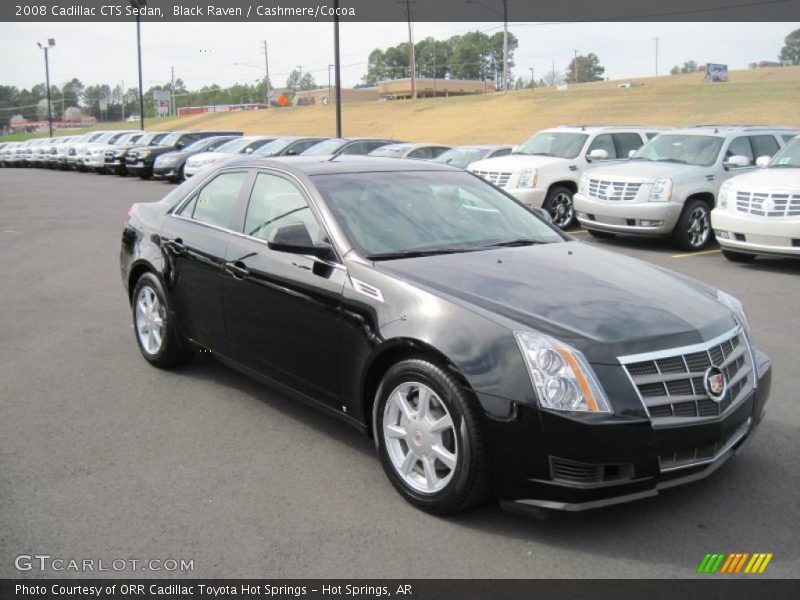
[{"x": 180, "y": 205}]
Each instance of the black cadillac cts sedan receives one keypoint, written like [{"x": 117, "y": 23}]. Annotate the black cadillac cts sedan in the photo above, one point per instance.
[{"x": 486, "y": 352}]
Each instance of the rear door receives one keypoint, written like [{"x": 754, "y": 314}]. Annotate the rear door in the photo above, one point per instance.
[
  {"x": 281, "y": 309},
  {"x": 195, "y": 238}
]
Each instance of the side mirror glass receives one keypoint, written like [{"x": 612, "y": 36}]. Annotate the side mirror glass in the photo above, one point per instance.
[
  {"x": 294, "y": 238},
  {"x": 736, "y": 161},
  {"x": 763, "y": 161},
  {"x": 597, "y": 154}
]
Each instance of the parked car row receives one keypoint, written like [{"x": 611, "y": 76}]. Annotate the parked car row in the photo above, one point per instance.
[{"x": 613, "y": 180}]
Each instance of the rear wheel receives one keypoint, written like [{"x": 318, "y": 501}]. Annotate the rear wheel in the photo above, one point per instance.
[
  {"x": 693, "y": 231},
  {"x": 559, "y": 204},
  {"x": 739, "y": 257},
  {"x": 429, "y": 437},
  {"x": 156, "y": 332},
  {"x": 601, "y": 235}
]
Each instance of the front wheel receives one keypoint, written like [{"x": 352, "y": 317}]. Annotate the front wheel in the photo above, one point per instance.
[
  {"x": 429, "y": 437},
  {"x": 559, "y": 204},
  {"x": 156, "y": 331},
  {"x": 739, "y": 257},
  {"x": 693, "y": 231}
]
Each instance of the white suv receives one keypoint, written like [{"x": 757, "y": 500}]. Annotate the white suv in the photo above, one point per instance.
[
  {"x": 670, "y": 185},
  {"x": 544, "y": 171},
  {"x": 759, "y": 213}
]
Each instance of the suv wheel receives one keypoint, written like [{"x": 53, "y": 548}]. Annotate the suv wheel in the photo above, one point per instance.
[
  {"x": 559, "y": 204},
  {"x": 739, "y": 257},
  {"x": 429, "y": 438},
  {"x": 693, "y": 231}
]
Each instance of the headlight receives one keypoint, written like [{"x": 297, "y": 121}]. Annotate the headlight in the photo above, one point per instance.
[
  {"x": 662, "y": 191},
  {"x": 724, "y": 192},
  {"x": 143, "y": 153},
  {"x": 738, "y": 310},
  {"x": 527, "y": 178},
  {"x": 561, "y": 376}
]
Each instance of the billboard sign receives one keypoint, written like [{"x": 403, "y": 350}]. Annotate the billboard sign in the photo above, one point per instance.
[
  {"x": 716, "y": 73},
  {"x": 161, "y": 99}
]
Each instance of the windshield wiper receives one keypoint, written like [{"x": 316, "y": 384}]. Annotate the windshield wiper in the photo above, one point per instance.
[
  {"x": 418, "y": 253},
  {"x": 514, "y": 243}
]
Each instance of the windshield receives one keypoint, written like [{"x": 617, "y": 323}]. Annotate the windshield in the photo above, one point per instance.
[
  {"x": 390, "y": 151},
  {"x": 460, "y": 157},
  {"x": 171, "y": 139},
  {"x": 698, "y": 150},
  {"x": 787, "y": 157},
  {"x": 554, "y": 143},
  {"x": 385, "y": 214},
  {"x": 208, "y": 144},
  {"x": 326, "y": 147},
  {"x": 234, "y": 146},
  {"x": 274, "y": 147}
]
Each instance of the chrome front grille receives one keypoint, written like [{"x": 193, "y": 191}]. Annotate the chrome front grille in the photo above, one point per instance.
[
  {"x": 499, "y": 178},
  {"x": 613, "y": 191},
  {"x": 785, "y": 204},
  {"x": 671, "y": 384}
]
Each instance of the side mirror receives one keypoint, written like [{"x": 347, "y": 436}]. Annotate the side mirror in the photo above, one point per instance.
[
  {"x": 294, "y": 238},
  {"x": 180, "y": 145},
  {"x": 631, "y": 153},
  {"x": 544, "y": 214},
  {"x": 597, "y": 154},
  {"x": 763, "y": 161},
  {"x": 248, "y": 151},
  {"x": 291, "y": 153},
  {"x": 736, "y": 161}
]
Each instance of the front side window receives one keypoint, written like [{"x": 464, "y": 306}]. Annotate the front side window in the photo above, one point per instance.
[
  {"x": 627, "y": 142},
  {"x": 214, "y": 203},
  {"x": 604, "y": 142},
  {"x": 554, "y": 143},
  {"x": 390, "y": 213},
  {"x": 274, "y": 202},
  {"x": 740, "y": 147},
  {"x": 764, "y": 145},
  {"x": 699, "y": 150}
]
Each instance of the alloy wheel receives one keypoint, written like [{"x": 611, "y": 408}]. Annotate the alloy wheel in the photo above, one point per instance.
[
  {"x": 561, "y": 210},
  {"x": 699, "y": 227},
  {"x": 150, "y": 318},
  {"x": 420, "y": 437}
]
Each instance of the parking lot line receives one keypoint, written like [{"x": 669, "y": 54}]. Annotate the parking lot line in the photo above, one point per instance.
[{"x": 703, "y": 253}]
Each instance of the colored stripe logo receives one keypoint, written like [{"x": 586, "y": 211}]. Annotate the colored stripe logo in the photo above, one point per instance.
[{"x": 735, "y": 562}]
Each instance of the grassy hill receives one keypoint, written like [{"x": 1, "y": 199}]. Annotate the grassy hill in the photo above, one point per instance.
[{"x": 762, "y": 96}]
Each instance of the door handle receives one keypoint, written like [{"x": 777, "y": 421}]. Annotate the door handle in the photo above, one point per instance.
[
  {"x": 237, "y": 269},
  {"x": 175, "y": 246}
]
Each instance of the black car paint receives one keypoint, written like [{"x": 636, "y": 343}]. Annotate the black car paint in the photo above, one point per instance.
[
  {"x": 173, "y": 171},
  {"x": 144, "y": 167},
  {"x": 328, "y": 343}
]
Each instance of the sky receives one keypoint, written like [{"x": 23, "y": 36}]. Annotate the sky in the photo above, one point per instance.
[{"x": 206, "y": 53}]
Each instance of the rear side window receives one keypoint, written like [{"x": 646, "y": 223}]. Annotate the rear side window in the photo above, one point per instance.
[
  {"x": 604, "y": 142},
  {"x": 214, "y": 204},
  {"x": 274, "y": 202},
  {"x": 423, "y": 153},
  {"x": 740, "y": 147},
  {"x": 302, "y": 146},
  {"x": 627, "y": 142},
  {"x": 764, "y": 145},
  {"x": 364, "y": 147}
]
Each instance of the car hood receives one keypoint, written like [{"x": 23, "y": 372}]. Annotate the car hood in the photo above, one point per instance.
[
  {"x": 605, "y": 304},
  {"x": 768, "y": 179},
  {"x": 646, "y": 171},
  {"x": 515, "y": 162}
]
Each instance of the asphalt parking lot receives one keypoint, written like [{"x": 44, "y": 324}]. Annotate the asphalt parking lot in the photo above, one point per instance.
[{"x": 104, "y": 457}]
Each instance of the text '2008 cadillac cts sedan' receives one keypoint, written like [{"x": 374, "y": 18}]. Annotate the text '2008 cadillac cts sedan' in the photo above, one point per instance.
[{"x": 485, "y": 351}]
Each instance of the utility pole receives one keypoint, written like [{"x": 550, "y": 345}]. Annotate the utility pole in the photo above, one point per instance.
[
  {"x": 329, "y": 83},
  {"x": 533, "y": 81},
  {"x": 575, "y": 67},
  {"x": 174, "y": 109},
  {"x": 434, "y": 68},
  {"x": 412, "y": 59},
  {"x": 554, "y": 72},
  {"x": 266, "y": 70},
  {"x": 505, "y": 46},
  {"x": 139, "y": 49},
  {"x": 50, "y": 43},
  {"x": 655, "y": 39},
  {"x": 121, "y": 99},
  {"x": 337, "y": 69}
]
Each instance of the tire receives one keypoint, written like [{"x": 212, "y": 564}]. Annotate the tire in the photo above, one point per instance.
[
  {"x": 693, "y": 231},
  {"x": 601, "y": 235},
  {"x": 446, "y": 469},
  {"x": 560, "y": 206},
  {"x": 738, "y": 257},
  {"x": 150, "y": 311}
]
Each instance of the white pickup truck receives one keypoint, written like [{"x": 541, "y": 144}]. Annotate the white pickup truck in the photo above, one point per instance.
[{"x": 545, "y": 171}]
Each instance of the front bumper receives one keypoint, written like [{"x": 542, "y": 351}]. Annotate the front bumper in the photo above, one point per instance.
[
  {"x": 756, "y": 235},
  {"x": 95, "y": 162},
  {"x": 533, "y": 197},
  {"x": 139, "y": 167},
  {"x": 626, "y": 451},
  {"x": 639, "y": 218},
  {"x": 171, "y": 171}
]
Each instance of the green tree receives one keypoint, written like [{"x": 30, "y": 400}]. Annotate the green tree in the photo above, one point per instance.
[
  {"x": 790, "y": 53},
  {"x": 588, "y": 69},
  {"x": 307, "y": 82}
]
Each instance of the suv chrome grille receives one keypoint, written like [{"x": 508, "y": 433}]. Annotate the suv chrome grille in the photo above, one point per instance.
[
  {"x": 672, "y": 384},
  {"x": 769, "y": 205},
  {"x": 613, "y": 191},
  {"x": 499, "y": 178}
]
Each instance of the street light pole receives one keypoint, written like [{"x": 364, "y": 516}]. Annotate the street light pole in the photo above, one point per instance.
[
  {"x": 329, "y": 83},
  {"x": 533, "y": 81},
  {"x": 50, "y": 43},
  {"x": 138, "y": 4},
  {"x": 266, "y": 68},
  {"x": 505, "y": 46},
  {"x": 337, "y": 68}
]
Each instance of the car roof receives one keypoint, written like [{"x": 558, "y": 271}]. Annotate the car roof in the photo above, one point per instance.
[
  {"x": 322, "y": 165},
  {"x": 591, "y": 128},
  {"x": 723, "y": 130}
]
